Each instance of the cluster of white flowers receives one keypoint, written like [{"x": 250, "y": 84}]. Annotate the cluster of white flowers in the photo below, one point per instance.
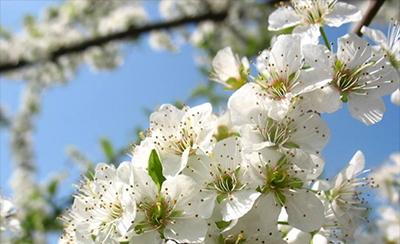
[
  {"x": 9, "y": 222},
  {"x": 251, "y": 175}
]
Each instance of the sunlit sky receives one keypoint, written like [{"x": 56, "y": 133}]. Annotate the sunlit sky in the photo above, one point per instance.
[{"x": 110, "y": 104}]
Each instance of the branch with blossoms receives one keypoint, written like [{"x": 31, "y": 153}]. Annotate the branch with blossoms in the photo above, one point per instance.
[{"x": 252, "y": 174}]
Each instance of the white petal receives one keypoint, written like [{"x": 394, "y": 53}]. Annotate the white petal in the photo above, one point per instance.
[
  {"x": 125, "y": 172},
  {"x": 356, "y": 165},
  {"x": 237, "y": 204},
  {"x": 395, "y": 97},
  {"x": 283, "y": 17},
  {"x": 166, "y": 118},
  {"x": 266, "y": 207},
  {"x": 353, "y": 51},
  {"x": 309, "y": 34},
  {"x": 325, "y": 99},
  {"x": 342, "y": 13},
  {"x": 187, "y": 230},
  {"x": 228, "y": 153},
  {"x": 296, "y": 236},
  {"x": 305, "y": 210},
  {"x": 142, "y": 152},
  {"x": 320, "y": 58},
  {"x": 104, "y": 172},
  {"x": 312, "y": 133},
  {"x": 173, "y": 164},
  {"x": 225, "y": 65},
  {"x": 147, "y": 237},
  {"x": 367, "y": 109},
  {"x": 181, "y": 189},
  {"x": 375, "y": 35},
  {"x": 286, "y": 54},
  {"x": 144, "y": 187}
]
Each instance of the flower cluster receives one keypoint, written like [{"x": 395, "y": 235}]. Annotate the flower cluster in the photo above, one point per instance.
[{"x": 251, "y": 175}]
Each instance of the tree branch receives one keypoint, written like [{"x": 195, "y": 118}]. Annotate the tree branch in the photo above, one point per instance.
[
  {"x": 373, "y": 8},
  {"x": 130, "y": 32}
]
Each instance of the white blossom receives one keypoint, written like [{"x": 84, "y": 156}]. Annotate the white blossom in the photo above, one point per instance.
[
  {"x": 310, "y": 15},
  {"x": 105, "y": 207},
  {"x": 229, "y": 69},
  {"x": 282, "y": 180},
  {"x": 356, "y": 75},
  {"x": 390, "y": 45},
  {"x": 173, "y": 211},
  {"x": 177, "y": 134},
  {"x": 223, "y": 181}
]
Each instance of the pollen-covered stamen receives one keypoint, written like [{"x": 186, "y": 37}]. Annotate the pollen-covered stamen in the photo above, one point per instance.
[
  {"x": 314, "y": 11},
  {"x": 392, "y": 45},
  {"x": 276, "y": 132},
  {"x": 226, "y": 181},
  {"x": 347, "y": 80},
  {"x": 116, "y": 210},
  {"x": 186, "y": 140},
  {"x": 158, "y": 214},
  {"x": 350, "y": 195},
  {"x": 235, "y": 239},
  {"x": 279, "y": 178},
  {"x": 277, "y": 83}
]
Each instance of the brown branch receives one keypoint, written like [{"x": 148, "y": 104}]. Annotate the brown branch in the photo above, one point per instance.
[
  {"x": 129, "y": 33},
  {"x": 373, "y": 8}
]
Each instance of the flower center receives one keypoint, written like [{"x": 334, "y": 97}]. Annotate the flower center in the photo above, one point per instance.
[
  {"x": 226, "y": 181},
  {"x": 116, "y": 210},
  {"x": 187, "y": 140},
  {"x": 347, "y": 80},
  {"x": 158, "y": 214},
  {"x": 278, "y": 84},
  {"x": 313, "y": 12},
  {"x": 275, "y": 132},
  {"x": 278, "y": 178}
]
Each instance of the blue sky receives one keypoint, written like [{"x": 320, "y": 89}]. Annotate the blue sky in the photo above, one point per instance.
[{"x": 110, "y": 104}]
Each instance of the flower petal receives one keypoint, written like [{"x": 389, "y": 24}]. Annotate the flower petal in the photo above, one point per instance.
[
  {"x": 305, "y": 210},
  {"x": 237, "y": 204},
  {"x": 342, "y": 13},
  {"x": 367, "y": 109},
  {"x": 186, "y": 230},
  {"x": 282, "y": 18}
]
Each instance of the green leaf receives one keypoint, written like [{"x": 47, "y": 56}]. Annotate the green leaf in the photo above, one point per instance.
[
  {"x": 155, "y": 169},
  {"x": 222, "y": 224},
  {"x": 52, "y": 187},
  {"x": 221, "y": 197},
  {"x": 107, "y": 148}
]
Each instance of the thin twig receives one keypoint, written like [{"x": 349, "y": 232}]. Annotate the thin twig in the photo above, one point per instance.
[
  {"x": 373, "y": 8},
  {"x": 130, "y": 32}
]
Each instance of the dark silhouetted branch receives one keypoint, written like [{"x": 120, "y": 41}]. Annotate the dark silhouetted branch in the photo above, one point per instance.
[
  {"x": 129, "y": 33},
  {"x": 373, "y": 8}
]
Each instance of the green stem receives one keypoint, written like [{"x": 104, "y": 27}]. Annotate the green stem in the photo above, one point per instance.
[{"x": 327, "y": 44}]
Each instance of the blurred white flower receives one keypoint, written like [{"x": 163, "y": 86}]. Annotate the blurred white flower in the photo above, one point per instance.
[
  {"x": 387, "y": 177},
  {"x": 229, "y": 69},
  {"x": 9, "y": 221},
  {"x": 310, "y": 15}
]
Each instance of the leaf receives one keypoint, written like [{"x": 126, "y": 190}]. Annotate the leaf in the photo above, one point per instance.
[
  {"x": 155, "y": 169},
  {"x": 222, "y": 224},
  {"x": 52, "y": 187},
  {"x": 107, "y": 148}
]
